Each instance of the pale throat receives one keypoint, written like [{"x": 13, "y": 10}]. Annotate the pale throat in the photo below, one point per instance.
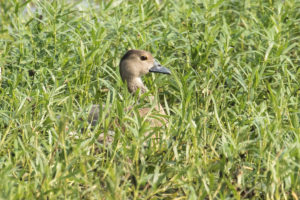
[{"x": 136, "y": 83}]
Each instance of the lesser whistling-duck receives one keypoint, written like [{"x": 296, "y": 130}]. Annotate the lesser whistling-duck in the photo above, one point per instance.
[{"x": 133, "y": 65}]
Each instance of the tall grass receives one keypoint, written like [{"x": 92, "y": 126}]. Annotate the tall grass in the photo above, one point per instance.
[{"x": 232, "y": 100}]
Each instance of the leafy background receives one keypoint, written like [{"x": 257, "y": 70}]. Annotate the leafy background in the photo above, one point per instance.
[{"x": 232, "y": 100}]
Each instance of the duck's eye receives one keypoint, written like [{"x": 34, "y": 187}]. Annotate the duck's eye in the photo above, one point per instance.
[{"x": 143, "y": 57}]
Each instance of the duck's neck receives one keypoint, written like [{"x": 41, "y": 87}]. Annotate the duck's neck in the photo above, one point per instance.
[{"x": 134, "y": 84}]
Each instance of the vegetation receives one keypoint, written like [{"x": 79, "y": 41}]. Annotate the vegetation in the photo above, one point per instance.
[{"x": 233, "y": 100}]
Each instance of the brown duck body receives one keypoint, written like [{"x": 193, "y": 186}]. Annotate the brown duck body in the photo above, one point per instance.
[{"x": 133, "y": 65}]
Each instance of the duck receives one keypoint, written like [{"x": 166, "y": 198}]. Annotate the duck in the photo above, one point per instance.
[{"x": 134, "y": 64}]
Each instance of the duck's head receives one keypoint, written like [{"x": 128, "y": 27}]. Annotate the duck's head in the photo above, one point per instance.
[{"x": 136, "y": 63}]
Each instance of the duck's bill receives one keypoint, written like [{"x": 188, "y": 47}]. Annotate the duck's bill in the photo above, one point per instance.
[{"x": 157, "y": 68}]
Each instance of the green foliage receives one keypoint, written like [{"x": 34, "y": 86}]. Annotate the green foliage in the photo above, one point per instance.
[{"x": 233, "y": 100}]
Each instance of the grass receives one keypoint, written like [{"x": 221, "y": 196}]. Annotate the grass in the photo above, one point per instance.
[{"x": 233, "y": 100}]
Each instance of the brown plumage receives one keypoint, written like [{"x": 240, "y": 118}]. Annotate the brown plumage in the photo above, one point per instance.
[{"x": 133, "y": 65}]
